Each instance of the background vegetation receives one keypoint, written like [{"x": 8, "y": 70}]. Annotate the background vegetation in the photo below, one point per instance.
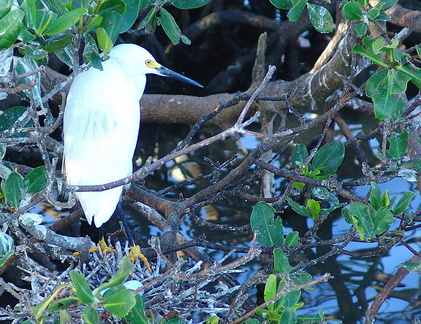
[{"x": 284, "y": 167}]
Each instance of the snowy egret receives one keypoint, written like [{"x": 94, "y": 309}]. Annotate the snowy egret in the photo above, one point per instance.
[{"x": 101, "y": 125}]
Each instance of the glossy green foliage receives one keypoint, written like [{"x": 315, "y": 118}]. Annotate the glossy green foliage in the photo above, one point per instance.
[
  {"x": 283, "y": 299},
  {"x": 324, "y": 163},
  {"x": 6, "y": 247},
  {"x": 283, "y": 304},
  {"x": 11, "y": 23},
  {"x": 327, "y": 159},
  {"x": 398, "y": 145},
  {"x": 375, "y": 219},
  {"x": 12, "y": 117},
  {"x": 112, "y": 295},
  {"x": 269, "y": 228},
  {"x": 358, "y": 9},
  {"x": 385, "y": 86},
  {"x": 189, "y": 4},
  {"x": 55, "y": 24},
  {"x": 320, "y": 17},
  {"x": 14, "y": 186}
]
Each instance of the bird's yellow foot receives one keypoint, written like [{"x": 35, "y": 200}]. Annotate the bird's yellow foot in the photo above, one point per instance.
[
  {"x": 135, "y": 253},
  {"x": 104, "y": 248}
]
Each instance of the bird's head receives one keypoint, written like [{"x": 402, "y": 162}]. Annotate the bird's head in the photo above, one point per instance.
[{"x": 138, "y": 60}]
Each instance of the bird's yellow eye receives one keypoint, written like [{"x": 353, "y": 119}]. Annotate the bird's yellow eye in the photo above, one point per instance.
[{"x": 152, "y": 64}]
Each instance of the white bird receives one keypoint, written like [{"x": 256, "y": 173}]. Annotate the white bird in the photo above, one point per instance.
[{"x": 101, "y": 125}]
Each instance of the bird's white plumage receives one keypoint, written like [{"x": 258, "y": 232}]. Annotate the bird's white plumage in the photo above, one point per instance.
[{"x": 101, "y": 125}]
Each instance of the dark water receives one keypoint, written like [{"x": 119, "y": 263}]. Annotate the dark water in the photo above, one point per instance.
[{"x": 353, "y": 272}]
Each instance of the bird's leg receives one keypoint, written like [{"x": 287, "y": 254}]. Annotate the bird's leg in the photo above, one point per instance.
[
  {"x": 104, "y": 247},
  {"x": 102, "y": 244},
  {"x": 134, "y": 249}
]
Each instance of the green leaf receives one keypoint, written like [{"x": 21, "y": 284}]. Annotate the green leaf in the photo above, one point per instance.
[
  {"x": 377, "y": 88},
  {"x": 398, "y": 81},
  {"x": 148, "y": 24},
  {"x": 352, "y": 11},
  {"x": 385, "y": 198},
  {"x": 66, "y": 55},
  {"x": 6, "y": 247},
  {"x": 327, "y": 211},
  {"x": 56, "y": 6},
  {"x": 387, "y": 4},
  {"x": 6, "y": 243},
  {"x": 292, "y": 239},
  {"x": 270, "y": 289},
  {"x": 169, "y": 25},
  {"x": 375, "y": 196},
  {"x": 10, "y": 27},
  {"x": 90, "y": 315},
  {"x": 382, "y": 220},
  {"x": 414, "y": 72},
  {"x": 384, "y": 107},
  {"x": 328, "y": 158},
  {"x": 269, "y": 229},
  {"x": 299, "y": 155},
  {"x": 65, "y": 316},
  {"x": 10, "y": 116},
  {"x": 296, "y": 10},
  {"x": 120, "y": 303},
  {"x": 5, "y": 7},
  {"x": 313, "y": 207},
  {"x": 33, "y": 52},
  {"x": 5, "y": 257},
  {"x": 362, "y": 218},
  {"x": 83, "y": 292},
  {"x": 282, "y": 4},
  {"x": 66, "y": 21},
  {"x": 373, "y": 13},
  {"x": 403, "y": 202},
  {"x": 43, "y": 20},
  {"x": 215, "y": 320},
  {"x": 280, "y": 262},
  {"x": 401, "y": 57},
  {"x": 137, "y": 314},
  {"x": 37, "y": 179},
  {"x": 288, "y": 316},
  {"x": 300, "y": 210},
  {"x": 126, "y": 267},
  {"x": 189, "y": 4},
  {"x": 364, "y": 3},
  {"x": 367, "y": 51},
  {"x": 112, "y": 5},
  {"x": 380, "y": 45},
  {"x": 30, "y": 9},
  {"x": 131, "y": 14},
  {"x": 398, "y": 145},
  {"x": 112, "y": 23},
  {"x": 292, "y": 298},
  {"x": 14, "y": 190},
  {"x": 320, "y": 18},
  {"x": 361, "y": 29},
  {"x": 104, "y": 41},
  {"x": 67, "y": 302},
  {"x": 90, "y": 52},
  {"x": 58, "y": 43}
]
